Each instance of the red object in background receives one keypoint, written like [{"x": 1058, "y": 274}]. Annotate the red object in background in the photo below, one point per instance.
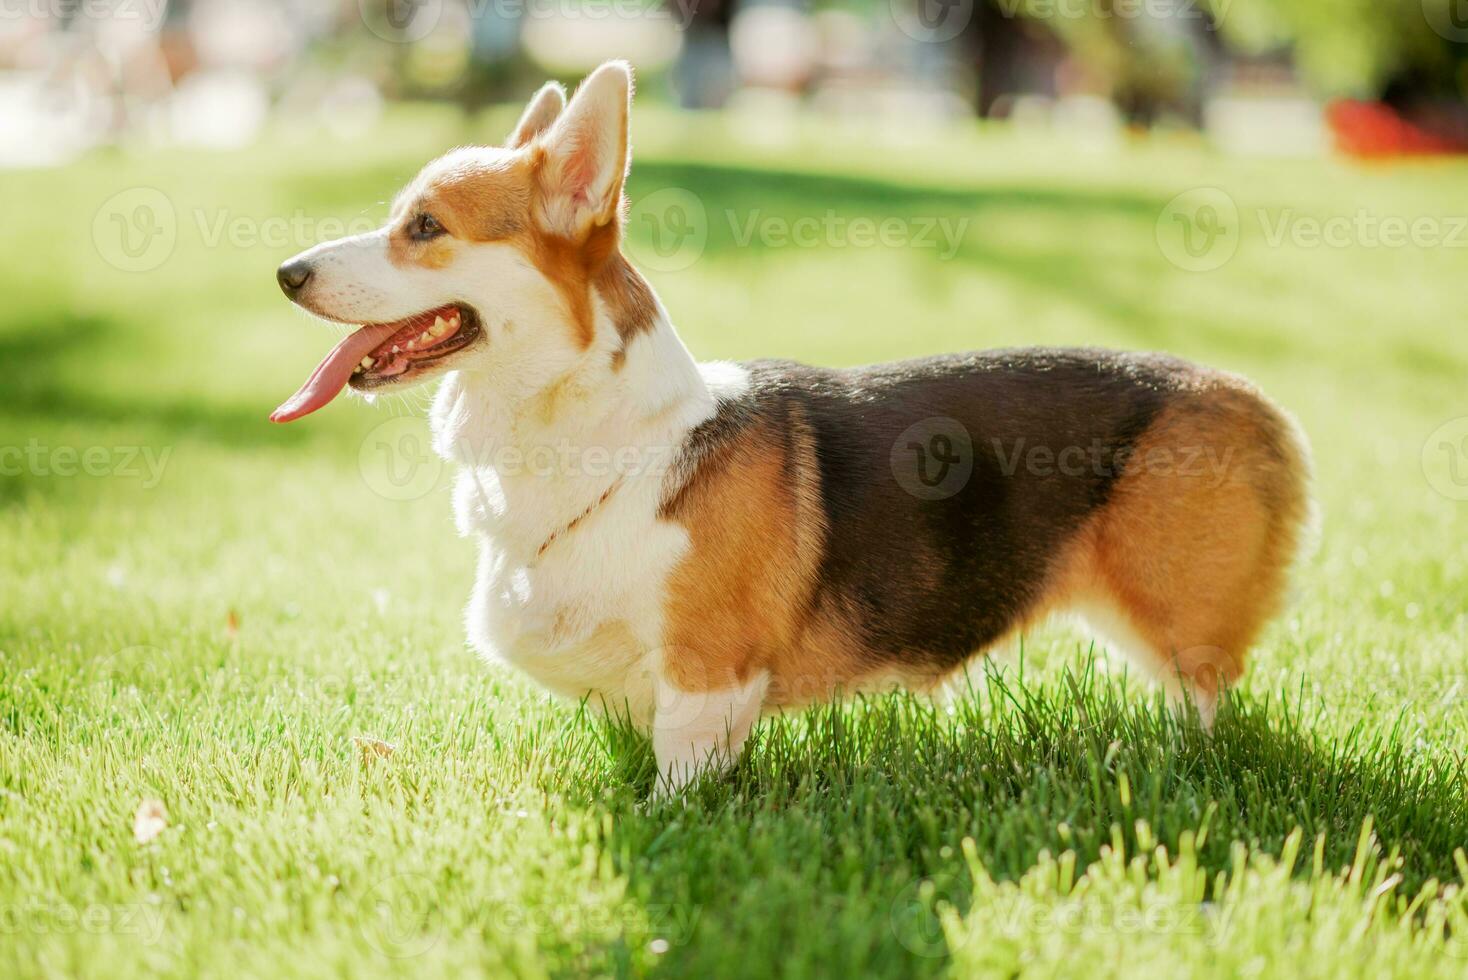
[{"x": 1375, "y": 129}]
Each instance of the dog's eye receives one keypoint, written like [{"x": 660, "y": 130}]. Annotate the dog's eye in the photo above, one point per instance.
[{"x": 424, "y": 227}]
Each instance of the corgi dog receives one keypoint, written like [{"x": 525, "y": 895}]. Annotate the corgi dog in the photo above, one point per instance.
[{"x": 695, "y": 544}]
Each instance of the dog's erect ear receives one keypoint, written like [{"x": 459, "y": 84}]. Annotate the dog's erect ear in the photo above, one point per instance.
[
  {"x": 541, "y": 111},
  {"x": 586, "y": 153}
]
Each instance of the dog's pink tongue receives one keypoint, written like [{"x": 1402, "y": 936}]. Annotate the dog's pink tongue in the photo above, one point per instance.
[{"x": 333, "y": 373}]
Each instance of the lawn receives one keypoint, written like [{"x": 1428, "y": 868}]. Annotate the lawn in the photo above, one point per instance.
[{"x": 206, "y": 610}]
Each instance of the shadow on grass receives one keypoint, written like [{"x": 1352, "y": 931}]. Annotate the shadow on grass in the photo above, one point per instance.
[
  {"x": 44, "y": 391},
  {"x": 833, "y": 819}
]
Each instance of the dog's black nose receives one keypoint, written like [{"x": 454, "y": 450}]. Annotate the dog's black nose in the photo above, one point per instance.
[{"x": 292, "y": 276}]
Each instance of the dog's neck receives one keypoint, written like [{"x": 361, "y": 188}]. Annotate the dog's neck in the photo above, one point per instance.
[{"x": 534, "y": 463}]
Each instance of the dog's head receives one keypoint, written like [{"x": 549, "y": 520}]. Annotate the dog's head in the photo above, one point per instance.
[{"x": 490, "y": 260}]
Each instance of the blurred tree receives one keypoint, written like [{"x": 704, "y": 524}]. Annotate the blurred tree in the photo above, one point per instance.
[
  {"x": 1150, "y": 57},
  {"x": 1401, "y": 49},
  {"x": 1153, "y": 57}
]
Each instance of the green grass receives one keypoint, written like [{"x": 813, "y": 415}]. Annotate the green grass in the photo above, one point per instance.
[{"x": 216, "y": 637}]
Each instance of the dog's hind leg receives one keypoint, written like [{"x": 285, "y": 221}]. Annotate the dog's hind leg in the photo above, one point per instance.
[{"x": 1190, "y": 556}]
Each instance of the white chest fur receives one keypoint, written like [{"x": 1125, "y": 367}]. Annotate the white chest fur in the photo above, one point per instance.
[{"x": 584, "y": 618}]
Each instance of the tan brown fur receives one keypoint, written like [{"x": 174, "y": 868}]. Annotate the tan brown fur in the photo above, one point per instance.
[
  {"x": 492, "y": 199},
  {"x": 628, "y": 298},
  {"x": 1196, "y": 563},
  {"x": 738, "y": 601},
  {"x": 486, "y": 203},
  {"x": 565, "y": 264},
  {"x": 596, "y": 267}
]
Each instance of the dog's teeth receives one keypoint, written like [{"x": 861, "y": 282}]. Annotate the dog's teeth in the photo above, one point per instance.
[
  {"x": 439, "y": 328},
  {"x": 396, "y": 349},
  {"x": 454, "y": 322},
  {"x": 366, "y": 363},
  {"x": 425, "y": 337}
]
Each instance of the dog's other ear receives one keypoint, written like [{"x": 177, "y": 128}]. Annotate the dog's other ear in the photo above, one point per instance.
[
  {"x": 586, "y": 153},
  {"x": 541, "y": 111}
]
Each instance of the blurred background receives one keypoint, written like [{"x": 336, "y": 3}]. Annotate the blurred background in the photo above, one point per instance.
[{"x": 1367, "y": 77}]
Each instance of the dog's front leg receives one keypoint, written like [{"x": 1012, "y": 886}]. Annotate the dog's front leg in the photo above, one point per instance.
[{"x": 694, "y": 730}]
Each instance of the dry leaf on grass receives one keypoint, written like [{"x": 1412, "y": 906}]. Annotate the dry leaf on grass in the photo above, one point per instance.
[
  {"x": 373, "y": 748},
  {"x": 150, "y": 821}
]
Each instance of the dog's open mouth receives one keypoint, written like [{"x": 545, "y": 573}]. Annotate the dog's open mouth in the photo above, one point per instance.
[
  {"x": 429, "y": 336},
  {"x": 381, "y": 354}
]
